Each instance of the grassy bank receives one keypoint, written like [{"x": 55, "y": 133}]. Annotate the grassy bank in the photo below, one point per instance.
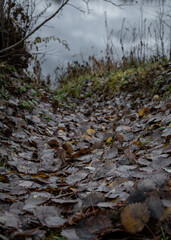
[
  {"x": 142, "y": 79},
  {"x": 149, "y": 79}
]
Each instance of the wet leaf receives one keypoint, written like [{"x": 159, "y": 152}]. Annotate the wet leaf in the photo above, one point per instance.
[
  {"x": 111, "y": 152},
  {"x": 146, "y": 185},
  {"x": 54, "y": 222},
  {"x": 105, "y": 170},
  {"x": 10, "y": 220},
  {"x": 76, "y": 177},
  {"x": 159, "y": 178},
  {"x": 48, "y": 216},
  {"x": 70, "y": 233},
  {"x": 47, "y": 155},
  {"x": 155, "y": 207},
  {"x": 134, "y": 217},
  {"x": 88, "y": 227},
  {"x": 93, "y": 199},
  {"x": 167, "y": 132},
  {"x": 130, "y": 155},
  {"x": 137, "y": 196}
]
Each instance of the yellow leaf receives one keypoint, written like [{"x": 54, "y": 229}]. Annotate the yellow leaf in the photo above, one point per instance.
[
  {"x": 90, "y": 164},
  {"x": 155, "y": 126},
  {"x": 48, "y": 133},
  {"x": 35, "y": 196},
  {"x": 109, "y": 140},
  {"x": 90, "y": 131},
  {"x": 166, "y": 214},
  {"x": 38, "y": 40},
  {"x": 60, "y": 132},
  {"x": 112, "y": 184},
  {"x": 40, "y": 175},
  {"x": 94, "y": 151},
  {"x": 134, "y": 217},
  {"x": 166, "y": 144},
  {"x": 86, "y": 137},
  {"x": 137, "y": 143},
  {"x": 141, "y": 112}
]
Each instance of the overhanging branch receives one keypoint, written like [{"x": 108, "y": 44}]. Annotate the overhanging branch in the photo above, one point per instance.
[{"x": 35, "y": 29}]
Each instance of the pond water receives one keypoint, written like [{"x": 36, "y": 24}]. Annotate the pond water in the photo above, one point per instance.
[{"x": 89, "y": 30}]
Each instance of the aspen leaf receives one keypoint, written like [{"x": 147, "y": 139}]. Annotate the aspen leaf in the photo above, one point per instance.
[
  {"x": 109, "y": 140},
  {"x": 86, "y": 137},
  {"x": 134, "y": 217},
  {"x": 53, "y": 143},
  {"x": 35, "y": 196},
  {"x": 166, "y": 213},
  {"x": 143, "y": 111},
  {"x": 40, "y": 175},
  {"x": 68, "y": 148},
  {"x": 90, "y": 131},
  {"x": 38, "y": 40}
]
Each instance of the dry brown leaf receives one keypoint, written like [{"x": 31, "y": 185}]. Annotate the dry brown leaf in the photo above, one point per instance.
[
  {"x": 119, "y": 137},
  {"x": 61, "y": 154},
  {"x": 68, "y": 147},
  {"x": 134, "y": 217},
  {"x": 53, "y": 143},
  {"x": 130, "y": 155}
]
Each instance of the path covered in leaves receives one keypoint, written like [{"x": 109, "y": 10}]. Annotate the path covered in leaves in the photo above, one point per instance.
[{"x": 98, "y": 171}]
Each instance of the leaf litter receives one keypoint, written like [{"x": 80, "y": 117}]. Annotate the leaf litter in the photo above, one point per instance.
[{"x": 90, "y": 174}]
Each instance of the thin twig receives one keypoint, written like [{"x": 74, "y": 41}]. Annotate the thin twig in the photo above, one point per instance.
[{"x": 35, "y": 29}]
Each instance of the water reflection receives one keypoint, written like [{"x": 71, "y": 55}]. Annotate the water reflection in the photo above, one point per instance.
[{"x": 87, "y": 34}]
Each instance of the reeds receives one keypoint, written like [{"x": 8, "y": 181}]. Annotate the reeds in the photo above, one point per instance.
[{"x": 149, "y": 41}]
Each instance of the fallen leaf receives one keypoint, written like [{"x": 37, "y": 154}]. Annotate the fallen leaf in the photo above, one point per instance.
[
  {"x": 68, "y": 148},
  {"x": 155, "y": 207},
  {"x": 143, "y": 111},
  {"x": 90, "y": 131},
  {"x": 136, "y": 196},
  {"x": 134, "y": 217},
  {"x": 109, "y": 140},
  {"x": 53, "y": 143}
]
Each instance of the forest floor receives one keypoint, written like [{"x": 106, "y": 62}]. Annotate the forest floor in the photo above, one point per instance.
[{"x": 96, "y": 166}]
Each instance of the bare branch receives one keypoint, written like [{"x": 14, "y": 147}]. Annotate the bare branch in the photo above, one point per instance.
[
  {"x": 110, "y": 1},
  {"x": 119, "y": 5},
  {"x": 78, "y": 8},
  {"x": 35, "y": 29}
]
